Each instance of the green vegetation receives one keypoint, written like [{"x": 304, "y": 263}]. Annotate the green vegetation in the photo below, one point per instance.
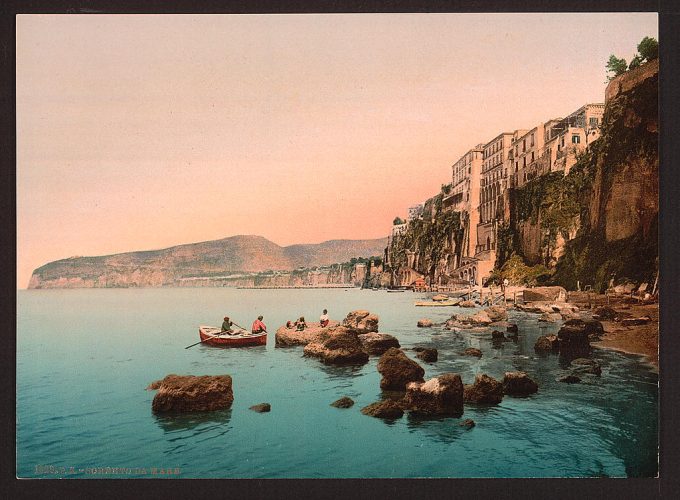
[
  {"x": 397, "y": 221},
  {"x": 429, "y": 237},
  {"x": 518, "y": 273},
  {"x": 648, "y": 50}
]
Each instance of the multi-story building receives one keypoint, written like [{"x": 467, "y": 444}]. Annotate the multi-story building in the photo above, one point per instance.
[
  {"x": 527, "y": 148},
  {"x": 464, "y": 194},
  {"x": 566, "y": 137}
]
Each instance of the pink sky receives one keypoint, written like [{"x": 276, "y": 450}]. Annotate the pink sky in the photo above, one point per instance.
[{"x": 143, "y": 132}]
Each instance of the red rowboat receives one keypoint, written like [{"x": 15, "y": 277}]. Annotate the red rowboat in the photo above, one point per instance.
[{"x": 215, "y": 337}]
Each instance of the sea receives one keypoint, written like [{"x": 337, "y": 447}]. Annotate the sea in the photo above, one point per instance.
[{"x": 86, "y": 356}]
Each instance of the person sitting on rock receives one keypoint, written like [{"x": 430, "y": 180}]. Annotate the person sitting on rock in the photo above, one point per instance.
[
  {"x": 290, "y": 325},
  {"x": 226, "y": 326},
  {"x": 300, "y": 324},
  {"x": 258, "y": 326},
  {"x": 323, "y": 320}
]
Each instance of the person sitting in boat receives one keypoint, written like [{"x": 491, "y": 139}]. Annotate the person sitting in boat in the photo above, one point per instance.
[
  {"x": 300, "y": 324},
  {"x": 226, "y": 325},
  {"x": 323, "y": 320},
  {"x": 258, "y": 326}
]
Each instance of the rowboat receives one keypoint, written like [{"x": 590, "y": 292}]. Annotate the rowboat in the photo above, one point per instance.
[
  {"x": 438, "y": 304},
  {"x": 216, "y": 337}
]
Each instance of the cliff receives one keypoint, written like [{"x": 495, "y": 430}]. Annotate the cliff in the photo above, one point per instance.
[
  {"x": 224, "y": 261},
  {"x": 599, "y": 222}
]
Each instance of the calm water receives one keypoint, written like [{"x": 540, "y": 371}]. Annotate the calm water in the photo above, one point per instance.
[{"x": 85, "y": 357}]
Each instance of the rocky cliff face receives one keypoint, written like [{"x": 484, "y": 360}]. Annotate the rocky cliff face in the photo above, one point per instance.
[
  {"x": 600, "y": 221},
  {"x": 230, "y": 261}
]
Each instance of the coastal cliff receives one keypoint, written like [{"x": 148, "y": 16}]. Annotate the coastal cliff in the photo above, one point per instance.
[
  {"x": 233, "y": 261},
  {"x": 599, "y": 222}
]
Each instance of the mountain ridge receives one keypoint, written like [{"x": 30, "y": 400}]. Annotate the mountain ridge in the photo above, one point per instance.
[{"x": 163, "y": 267}]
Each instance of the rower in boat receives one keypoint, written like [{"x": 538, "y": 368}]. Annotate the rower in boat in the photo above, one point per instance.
[
  {"x": 226, "y": 326},
  {"x": 258, "y": 326}
]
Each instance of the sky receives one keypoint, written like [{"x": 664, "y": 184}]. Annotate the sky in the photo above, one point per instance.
[{"x": 140, "y": 132}]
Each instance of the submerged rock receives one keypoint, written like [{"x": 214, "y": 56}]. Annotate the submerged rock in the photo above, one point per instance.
[
  {"x": 341, "y": 347},
  {"x": 552, "y": 317},
  {"x": 513, "y": 329},
  {"x": 186, "y": 393},
  {"x": 343, "y": 402},
  {"x": 287, "y": 337},
  {"x": 573, "y": 337},
  {"x": 424, "y": 323},
  {"x": 497, "y": 313},
  {"x": 426, "y": 354},
  {"x": 585, "y": 365},
  {"x": 361, "y": 321},
  {"x": 496, "y": 334},
  {"x": 261, "y": 408},
  {"x": 377, "y": 343},
  {"x": 485, "y": 389},
  {"x": 386, "y": 408},
  {"x": 442, "y": 395},
  {"x": 468, "y": 423},
  {"x": 518, "y": 384},
  {"x": 569, "y": 379},
  {"x": 397, "y": 370},
  {"x": 472, "y": 351}
]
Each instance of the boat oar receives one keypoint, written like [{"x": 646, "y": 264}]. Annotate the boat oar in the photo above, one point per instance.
[
  {"x": 211, "y": 337},
  {"x": 265, "y": 331}
]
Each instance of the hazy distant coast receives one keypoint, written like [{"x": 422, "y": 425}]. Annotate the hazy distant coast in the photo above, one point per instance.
[{"x": 235, "y": 261}]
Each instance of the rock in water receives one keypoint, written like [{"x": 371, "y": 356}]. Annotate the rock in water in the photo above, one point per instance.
[
  {"x": 442, "y": 395},
  {"x": 397, "y": 370},
  {"x": 497, "y": 313},
  {"x": 341, "y": 347},
  {"x": 186, "y": 393},
  {"x": 547, "y": 343},
  {"x": 513, "y": 329},
  {"x": 484, "y": 390},
  {"x": 552, "y": 317},
  {"x": 377, "y": 343},
  {"x": 261, "y": 408},
  {"x": 427, "y": 355},
  {"x": 518, "y": 384},
  {"x": 286, "y": 337},
  {"x": 497, "y": 335},
  {"x": 472, "y": 351},
  {"x": 468, "y": 423},
  {"x": 361, "y": 322},
  {"x": 569, "y": 379},
  {"x": 585, "y": 365},
  {"x": 424, "y": 323},
  {"x": 573, "y": 337},
  {"x": 343, "y": 402},
  {"x": 387, "y": 409},
  {"x": 467, "y": 303}
]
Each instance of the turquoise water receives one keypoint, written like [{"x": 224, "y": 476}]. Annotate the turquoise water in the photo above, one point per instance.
[{"x": 85, "y": 357}]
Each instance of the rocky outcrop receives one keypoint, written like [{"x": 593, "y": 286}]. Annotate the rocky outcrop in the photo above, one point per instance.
[
  {"x": 588, "y": 366},
  {"x": 442, "y": 395},
  {"x": 340, "y": 347},
  {"x": 547, "y": 343},
  {"x": 343, "y": 402},
  {"x": 424, "y": 323},
  {"x": 518, "y": 384},
  {"x": 496, "y": 313},
  {"x": 467, "y": 303},
  {"x": 261, "y": 408},
  {"x": 387, "y": 409},
  {"x": 485, "y": 389},
  {"x": 497, "y": 335},
  {"x": 376, "y": 344},
  {"x": 605, "y": 314},
  {"x": 188, "y": 393},
  {"x": 576, "y": 334},
  {"x": 288, "y": 337},
  {"x": 361, "y": 322},
  {"x": 397, "y": 370},
  {"x": 426, "y": 354},
  {"x": 550, "y": 317}
]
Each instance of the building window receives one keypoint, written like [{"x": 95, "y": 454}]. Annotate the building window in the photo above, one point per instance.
[
  {"x": 524, "y": 145},
  {"x": 532, "y": 157},
  {"x": 532, "y": 140},
  {"x": 593, "y": 121},
  {"x": 575, "y": 139},
  {"x": 524, "y": 162},
  {"x": 516, "y": 166}
]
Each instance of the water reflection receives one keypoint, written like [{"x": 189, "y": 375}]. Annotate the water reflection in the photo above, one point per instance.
[{"x": 181, "y": 422}]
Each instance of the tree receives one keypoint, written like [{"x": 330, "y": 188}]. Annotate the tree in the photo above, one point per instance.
[
  {"x": 616, "y": 66},
  {"x": 635, "y": 62},
  {"x": 397, "y": 221},
  {"x": 648, "y": 48}
]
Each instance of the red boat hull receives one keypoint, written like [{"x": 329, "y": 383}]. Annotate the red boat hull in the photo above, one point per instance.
[{"x": 230, "y": 340}]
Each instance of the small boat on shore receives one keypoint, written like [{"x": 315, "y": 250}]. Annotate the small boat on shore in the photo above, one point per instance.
[
  {"x": 214, "y": 336},
  {"x": 431, "y": 303},
  {"x": 395, "y": 291}
]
